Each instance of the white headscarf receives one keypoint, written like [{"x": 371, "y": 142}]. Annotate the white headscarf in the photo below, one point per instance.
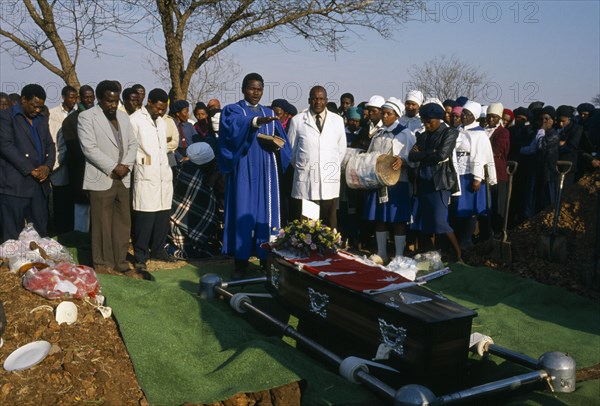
[
  {"x": 474, "y": 108},
  {"x": 415, "y": 96},
  {"x": 375, "y": 101},
  {"x": 394, "y": 104}
]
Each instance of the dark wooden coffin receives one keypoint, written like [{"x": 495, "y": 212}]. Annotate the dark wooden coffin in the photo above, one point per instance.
[{"x": 427, "y": 340}]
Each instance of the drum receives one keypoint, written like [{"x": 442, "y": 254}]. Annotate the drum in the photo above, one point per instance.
[
  {"x": 350, "y": 152},
  {"x": 371, "y": 171}
]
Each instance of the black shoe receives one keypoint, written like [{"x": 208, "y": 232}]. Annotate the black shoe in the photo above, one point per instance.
[{"x": 164, "y": 257}]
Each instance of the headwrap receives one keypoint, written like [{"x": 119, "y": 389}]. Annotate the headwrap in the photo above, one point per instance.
[
  {"x": 449, "y": 103},
  {"x": 536, "y": 105},
  {"x": 353, "y": 114},
  {"x": 510, "y": 113},
  {"x": 179, "y": 105},
  {"x": 474, "y": 108},
  {"x": 496, "y": 108},
  {"x": 394, "y": 104},
  {"x": 565, "y": 111},
  {"x": 585, "y": 108},
  {"x": 414, "y": 96},
  {"x": 200, "y": 153},
  {"x": 432, "y": 110},
  {"x": 433, "y": 100},
  {"x": 291, "y": 109},
  {"x": 522, "y": 111},
  {"x": 375, "y": 101},
  {"x": 550, "y": 111},
  {"x": 461, "y": 101},
  {"x": 281, "y": 103},
  {"x": 284, "y": 105},
  {"x": 457, "y": 110}
]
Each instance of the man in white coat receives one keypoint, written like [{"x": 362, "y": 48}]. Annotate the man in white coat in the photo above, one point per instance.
[
  {"x": 318, "y": 139},
  {"x": 109, "y": 146},
  {"x": 152, "y": 181}
]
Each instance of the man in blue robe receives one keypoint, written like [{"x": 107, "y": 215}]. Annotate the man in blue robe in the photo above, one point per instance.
[{"x": 252, "y": 212}]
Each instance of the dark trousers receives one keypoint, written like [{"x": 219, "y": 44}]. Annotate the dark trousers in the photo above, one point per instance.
[
  {"x": 110, "y": 226},
  {"x": 327, "y": 210},
  {"x": 16, "y": 211},
  {"x": 64, "y": 208},
  {"x": 149, "y": 233}
]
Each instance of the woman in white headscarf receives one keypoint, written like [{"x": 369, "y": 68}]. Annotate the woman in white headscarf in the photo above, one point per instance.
[
  {"x": 474, "y": 154},
  {"x": 390, "y": 206},
  {"x": 194, "y": 217}
]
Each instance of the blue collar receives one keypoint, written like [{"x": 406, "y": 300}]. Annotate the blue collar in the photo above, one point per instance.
[{"x": 17, "y": 110}]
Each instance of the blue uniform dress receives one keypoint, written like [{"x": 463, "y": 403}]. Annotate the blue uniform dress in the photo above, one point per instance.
[
  {"x": 399, "y": 141},
  {"x": 430, "y": 206},
  {"x": 252, "y": 184},
  {"x": 431, "y": 202}
]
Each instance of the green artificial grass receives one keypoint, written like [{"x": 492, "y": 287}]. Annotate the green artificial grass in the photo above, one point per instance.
[
  {"x": 189, "y": 350},
  {"x": 185, "y": 349},
  {"x": 531, "y": 318}
]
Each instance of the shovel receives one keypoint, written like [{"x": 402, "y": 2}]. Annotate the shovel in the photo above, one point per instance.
[
  {"x": 502, "y": 251},
  {"x": 554, "y": 247}
]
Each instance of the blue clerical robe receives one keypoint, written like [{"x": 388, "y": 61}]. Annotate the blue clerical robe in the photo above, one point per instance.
[{"x": 252, "y": 183}]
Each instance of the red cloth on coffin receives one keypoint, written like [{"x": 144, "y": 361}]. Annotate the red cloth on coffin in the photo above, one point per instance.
[{"x": 348, "y": 271}]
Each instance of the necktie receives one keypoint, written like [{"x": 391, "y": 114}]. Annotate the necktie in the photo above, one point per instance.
[{"x": 318, "y": 121}]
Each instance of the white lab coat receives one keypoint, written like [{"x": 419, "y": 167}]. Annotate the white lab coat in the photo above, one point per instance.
[
  {"x": 317, "y": 157},
  {"x": 152, "y": 175}
]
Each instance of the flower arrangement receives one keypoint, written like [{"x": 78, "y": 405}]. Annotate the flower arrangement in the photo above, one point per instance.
[{"x": 306, "y": 237}]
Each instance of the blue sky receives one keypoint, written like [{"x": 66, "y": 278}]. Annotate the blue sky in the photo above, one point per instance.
[{"x": 531, "y": 50}]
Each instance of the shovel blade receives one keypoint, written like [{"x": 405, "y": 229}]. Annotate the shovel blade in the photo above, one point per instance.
[
  {"x": 502, "y": 252},
  {"x": 553, "y": 249}
]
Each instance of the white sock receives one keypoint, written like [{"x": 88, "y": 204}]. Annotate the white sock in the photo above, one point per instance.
[
  {"x": 381, "y": 237},
  {"x": 399, "y": 240}
]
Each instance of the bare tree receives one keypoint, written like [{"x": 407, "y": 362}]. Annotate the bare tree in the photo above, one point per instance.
[
  {"x": 55, "y": 32},
  {"x": 208, "y": 81},
  {"x": 447, "y": 78},
  {"x": 213, "y": 25},
  {"x": 596, "y": 100}
]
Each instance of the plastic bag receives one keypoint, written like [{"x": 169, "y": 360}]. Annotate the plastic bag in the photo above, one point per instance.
[
  {"x": 429, "y": 261},
  {"x": 62, "y": 281},
  {"x": 29, "y": 234},
  {"x": 404, "y": 266},
  {"x": 54, "y": 250},
  {"x": 30, "y": 248}
]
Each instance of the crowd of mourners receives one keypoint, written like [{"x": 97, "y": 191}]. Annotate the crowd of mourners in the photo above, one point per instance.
[{"x": 180, "y": 180}]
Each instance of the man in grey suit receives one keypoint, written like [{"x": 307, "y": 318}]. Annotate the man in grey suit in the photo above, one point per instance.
[{"x": 109, "y": 147}]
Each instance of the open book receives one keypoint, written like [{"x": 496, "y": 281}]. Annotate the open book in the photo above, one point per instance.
[{"x": 270, "y": 142}]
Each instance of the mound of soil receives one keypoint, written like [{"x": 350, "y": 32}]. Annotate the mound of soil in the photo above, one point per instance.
[{"x": 576, "y": 242}]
